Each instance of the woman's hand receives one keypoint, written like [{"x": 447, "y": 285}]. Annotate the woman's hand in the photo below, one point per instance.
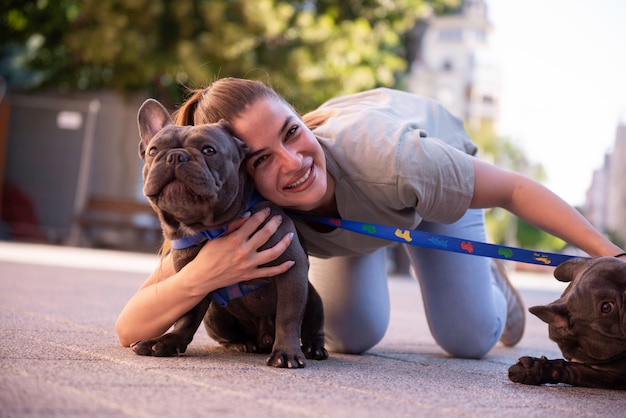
[
  {"x": 235, "y": 257},
  {"x": 166, "y": 295}
]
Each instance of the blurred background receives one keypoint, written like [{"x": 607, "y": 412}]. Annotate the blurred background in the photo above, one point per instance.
[{"x": 540, "y": 85}]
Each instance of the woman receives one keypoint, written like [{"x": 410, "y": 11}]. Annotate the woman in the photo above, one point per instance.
[{"x": 380, "y": 156}]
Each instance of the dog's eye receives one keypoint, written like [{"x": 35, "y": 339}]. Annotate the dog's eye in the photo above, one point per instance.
[
  {"x": 606, "y": 307},
  {"x": 208, "y": 150},
  {"x": 153, "y": 151}
]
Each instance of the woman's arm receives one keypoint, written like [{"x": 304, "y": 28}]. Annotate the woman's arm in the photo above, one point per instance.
[
  {"x": 166, "y": 295},
  {"x": 535, "y": 204}
]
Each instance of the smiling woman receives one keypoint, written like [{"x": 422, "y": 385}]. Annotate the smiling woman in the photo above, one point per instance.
[
  {"x": 286, "y": 160},
  {"x": 381, "y": 156}
]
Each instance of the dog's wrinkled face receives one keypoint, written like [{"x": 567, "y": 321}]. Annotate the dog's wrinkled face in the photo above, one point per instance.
[
  {"x": 192, "y": 174},
  {"x": 588, "y": 321}
]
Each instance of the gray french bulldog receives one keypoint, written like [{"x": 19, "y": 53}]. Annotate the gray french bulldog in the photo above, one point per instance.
[
  {"x": 588, "y": 322},
  {"x": 195, "y": 180}
]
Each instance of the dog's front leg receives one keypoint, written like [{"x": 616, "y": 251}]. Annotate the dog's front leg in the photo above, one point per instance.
[
  {"x": 291, "y": 297},
  {"x": 176, "y": 341},
  {"x": 312, "y": 334},
  {"x": 539, "y": 371}
]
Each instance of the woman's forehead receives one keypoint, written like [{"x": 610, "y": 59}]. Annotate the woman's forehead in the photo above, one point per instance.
[{"x": 265, "y": 117}]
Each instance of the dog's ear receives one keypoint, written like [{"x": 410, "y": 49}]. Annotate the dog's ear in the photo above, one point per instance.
[
  {"x": 151, "y": 118},
  {"x": 227, "y": 127},
  {"x": 555, "y": 314},
  {"x": 243, "y": 147},
  {"x": 566, "y": 271}
]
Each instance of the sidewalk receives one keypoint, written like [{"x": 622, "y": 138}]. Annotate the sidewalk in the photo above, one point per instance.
[{"x": 59, "y": 356}]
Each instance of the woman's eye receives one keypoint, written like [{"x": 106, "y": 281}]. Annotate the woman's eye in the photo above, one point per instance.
[
  {"x": 291, "y": 132},
  {"x": 153, "y": 151},
  {"x": 606, "y": 307},
  {"x": 209, "y": 150},
  {"x": 258, "y": 161}
]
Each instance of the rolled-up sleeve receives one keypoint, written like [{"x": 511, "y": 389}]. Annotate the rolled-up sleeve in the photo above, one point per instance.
[{"x": 434, "y": 178}]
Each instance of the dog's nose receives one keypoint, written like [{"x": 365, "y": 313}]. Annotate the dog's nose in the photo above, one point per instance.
[{"x": 177, "y": 156}]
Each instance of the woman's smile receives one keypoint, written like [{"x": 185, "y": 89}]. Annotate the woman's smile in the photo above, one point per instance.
[{"x": 301, "y": 180}]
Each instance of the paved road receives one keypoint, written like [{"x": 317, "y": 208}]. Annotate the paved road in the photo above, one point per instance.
[{"x": 59, "y": 356}]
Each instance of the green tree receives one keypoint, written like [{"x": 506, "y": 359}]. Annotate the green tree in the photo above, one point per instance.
[
  {"x": 309, "y": 50},
  {"x": 502, "y": 226}
]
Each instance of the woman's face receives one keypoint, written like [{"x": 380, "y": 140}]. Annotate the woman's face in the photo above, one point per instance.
[{"x": 285, "y": 159}]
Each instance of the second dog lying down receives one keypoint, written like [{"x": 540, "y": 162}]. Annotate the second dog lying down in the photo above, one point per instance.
[{"x": 588, "y": 322}]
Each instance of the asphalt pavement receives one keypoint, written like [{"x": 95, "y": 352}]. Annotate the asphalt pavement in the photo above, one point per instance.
[{"x": 59, "y": 356}]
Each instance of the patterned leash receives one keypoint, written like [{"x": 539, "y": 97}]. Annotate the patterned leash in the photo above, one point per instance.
[{"x": 443, "y": 242}]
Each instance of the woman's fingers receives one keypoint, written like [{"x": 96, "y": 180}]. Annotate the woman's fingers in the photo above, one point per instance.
[
  {"x": 247, "y": 223},
  {"x": 257, "y": 259},
  {"x": 235, "y": 225},
  {"x": 272, "y": 271},
  {"x": 247, "y": 238},
  {"x": 270, "y": 254},
  {"x": 245, "y": 232}
]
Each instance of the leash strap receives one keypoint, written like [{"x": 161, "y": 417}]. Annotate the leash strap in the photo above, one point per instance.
[{"x": 443, "y": 242}]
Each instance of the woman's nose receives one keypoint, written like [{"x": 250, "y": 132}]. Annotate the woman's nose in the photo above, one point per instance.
[{"x": 291, "y": 160}]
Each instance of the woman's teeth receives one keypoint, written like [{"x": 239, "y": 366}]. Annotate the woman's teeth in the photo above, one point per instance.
[{"x": 301, "y": 180}]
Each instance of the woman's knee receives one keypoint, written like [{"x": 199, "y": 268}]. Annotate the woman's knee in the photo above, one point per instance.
[
  {"x": 357, "y": 321},
  {"x": 466, "y": 341},
  {"x": 355, "y": 295},
  {"x": 355, "y": 334},
  {"x": 464, "y": 312}
]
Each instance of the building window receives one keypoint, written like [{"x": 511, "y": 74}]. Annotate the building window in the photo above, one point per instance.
[{"x": 451, "y": 34}]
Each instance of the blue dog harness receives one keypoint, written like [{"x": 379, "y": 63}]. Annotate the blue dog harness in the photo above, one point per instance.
[{"x": 223, "y": 295}]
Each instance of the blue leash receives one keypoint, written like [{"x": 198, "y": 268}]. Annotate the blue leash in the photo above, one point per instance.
[{"x": 443, "y": 242}]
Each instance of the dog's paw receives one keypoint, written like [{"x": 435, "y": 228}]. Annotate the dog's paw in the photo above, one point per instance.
[
  {"x": 281, "y": 359},
  {"x": 536, "y": 371},
  {"x": 527, "y": 370},
  {"x": 315, "y": 351},
  {"x": 165, "y": 346},
  {"x": 244, "y": 347}
]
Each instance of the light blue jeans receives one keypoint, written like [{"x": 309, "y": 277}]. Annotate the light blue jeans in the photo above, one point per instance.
[{"x": 466, "y": 311}]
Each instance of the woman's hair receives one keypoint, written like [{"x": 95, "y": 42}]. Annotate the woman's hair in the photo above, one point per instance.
[
  {"x": 317, "y": 117},
  {"x": 225, "y": 99}
]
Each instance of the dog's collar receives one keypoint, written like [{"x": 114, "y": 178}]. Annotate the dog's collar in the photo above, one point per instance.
[
  {"x": 209, "y": 234},
  {"x": 191, "y": 240},
  {"x": 223, "y": 295}
]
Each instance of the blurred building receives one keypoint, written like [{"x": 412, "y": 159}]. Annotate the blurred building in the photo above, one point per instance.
[
  {"x": 455, "y": 66},
  {"x": 605, "y": 204}
]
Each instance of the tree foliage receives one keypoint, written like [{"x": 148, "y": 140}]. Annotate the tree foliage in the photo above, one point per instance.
[
  {"x": 309, "y": 50},
  {"x": 503, "y": 227}
]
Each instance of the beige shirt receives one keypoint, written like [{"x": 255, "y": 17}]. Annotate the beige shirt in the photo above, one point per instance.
[{"x": 397, "y": 159}]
